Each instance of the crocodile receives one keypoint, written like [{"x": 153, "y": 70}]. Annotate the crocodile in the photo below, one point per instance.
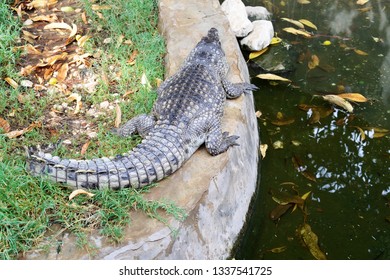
[{"x": 186, "y": 114}]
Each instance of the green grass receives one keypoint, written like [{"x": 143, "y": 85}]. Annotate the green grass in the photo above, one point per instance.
[{"x": 29, "y": 206}]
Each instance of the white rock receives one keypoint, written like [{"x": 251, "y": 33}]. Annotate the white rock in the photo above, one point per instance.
[
  {"x": 257, "y": 12},
  {"x": 260, "y": 37},
  {"x": 237, "y": 16}
]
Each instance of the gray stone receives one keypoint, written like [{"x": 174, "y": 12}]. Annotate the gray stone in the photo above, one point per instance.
[
  {"x": 214, "y": 191},
  {"x": 236, "y": 14},
  {"x": 260, "y": 37},
  {"x": 257, "y": 13}
]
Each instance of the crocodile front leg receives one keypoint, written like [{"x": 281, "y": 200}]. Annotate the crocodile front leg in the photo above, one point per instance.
[
  {"x": 235, "y": 90},
  {"x": 218, "y": 142},
  {"x": 141, "y": 124}
]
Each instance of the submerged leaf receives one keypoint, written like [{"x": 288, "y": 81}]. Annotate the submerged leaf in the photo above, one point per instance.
[
  {"x": 278, "y": 249},
  {"x": 360, "y": 52},
  {"x": 279, "y": 211},
  {"x": 311, "y": 241},
  {"x": 314, "y": 62},
  {"x": 295, "y": 31}
]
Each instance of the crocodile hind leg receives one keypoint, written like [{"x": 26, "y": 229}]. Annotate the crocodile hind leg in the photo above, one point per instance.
[
  {"x": 141, "y": 124},
  {"x": 218, "y": 142}
]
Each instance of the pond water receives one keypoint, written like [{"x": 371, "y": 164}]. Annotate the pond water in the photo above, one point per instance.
[{"x": 339, "y": 159}]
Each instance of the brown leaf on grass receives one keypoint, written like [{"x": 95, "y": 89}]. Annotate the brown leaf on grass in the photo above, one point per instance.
[
  {"x": 39, "y": 4},
  {"x": 62, "y": 72},
  {"x": 78, "y": 192},
  {"x": 118, "y": 115},
  {"x": 58, "y": 25},
  {"x": 4, "y": 125},
  {"x": 84, "y": 18},
  {"x": 29, "y": 34},
  {"x": 17, "y": 133},
  {"x": 74, "y": 31},
  {"x": 11, "y": 82},
  {"x": 30, "y": 49},
  {"x": 85, "y": 147},
  {"x": 48, "y": 18},
  {"x": 132, "y": 57},
  {"x": 77, "y": 97}
]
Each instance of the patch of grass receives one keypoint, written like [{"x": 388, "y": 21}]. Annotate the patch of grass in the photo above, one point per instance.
[{"x": 29, "y": 206}]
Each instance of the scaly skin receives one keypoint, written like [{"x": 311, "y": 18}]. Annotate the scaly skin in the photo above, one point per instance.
[{"x": 186, "y": 114}]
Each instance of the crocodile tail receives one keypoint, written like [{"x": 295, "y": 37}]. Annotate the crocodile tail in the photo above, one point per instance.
[{"x": 155, "y": 158}]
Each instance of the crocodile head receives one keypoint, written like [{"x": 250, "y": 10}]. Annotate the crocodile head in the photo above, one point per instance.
[{"x": 209, "y": 52}]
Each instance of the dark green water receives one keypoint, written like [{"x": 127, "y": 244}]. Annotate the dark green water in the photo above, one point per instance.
[{"x": 349, "y": 204}]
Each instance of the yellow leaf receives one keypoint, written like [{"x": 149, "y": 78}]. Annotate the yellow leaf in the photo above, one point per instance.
[
  {"x": 308, "y": 23},
  {"x": 67, "y": 9},
  {"x": 326, "y": 43},
  {"x": 360, "y": 52},
  {"x": 311, "y": 241},
  {"x": 356, "y": 97},
  {"x": 58, "y": 25},
  {"x": 275, "y": 40},
  {"x": 77, "y": 97},
  {"x": 78, "y": 192},
  {"x": 305, "y": 195},
  {"x": 303, "y": 2},
  {"x": 337, "y": 100},
  {"x": 377, "y": 132},
  {"x": 99, "y": 8},
  {"x": 52, "y": 81},
  {"x": 314, "y": 62},
  {"x": 295, "y": 31},
  {"x": 253, "y": 55},
  {"x": 82, "y": 40},
  {"x": 362, "y": 134},
  {"x": 273, "y": 77},
  {"x": 295, "y": 22},
  {"x": 11, "y": 82},
  {"x": 74, "y": 31}
]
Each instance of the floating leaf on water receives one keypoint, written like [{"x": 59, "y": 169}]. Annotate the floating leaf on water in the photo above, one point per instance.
[
  {"x": 273, "y": 77},
  {"x": 286, "y": 198},
  {"x": 356, "y": 97},
  {"x": 376, "y": 132},
  {"x": 253, "y": 55},
  {"x": 311, "y": 241},
  {"x": 11, "y": 82},
  {"x": 360, "y": 52},
  {"x": 281, "y": 122},
  {"x": 78, "y": 192},
  {"x": 303, "y": 2},
  {"x": 377, "y": 39},
  {"x": 278, "y": 145},
  {"x": 263, "y": 150},
  {"x": 314, "y": 62},
  {"x": 302, "y": 169},
  {"x": 295, "y": 31},
  {"x": 275, "y": 40},
  {"x": 306, "y": 195},
  {"x": 258, "y": 114},
  {"x": 308, "y": 23},
  {"x": 296, "y": 143},
  {"x": 361, "y": 131},
  {"x": 339, "y": 101},
  {"x": 278, "y": 249},
  {"x": 4, "y": 125},
  {"x": 295, "y": 22},
  {"x": 279, "y": 211},
  {"x": 326, "y": 43}
]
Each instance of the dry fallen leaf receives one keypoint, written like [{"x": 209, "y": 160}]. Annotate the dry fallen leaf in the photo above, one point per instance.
[
  {"x": 77, "y": 97},
  {"x": 339, "y": 101},
  {"x": 295, "y": 31},
  {"x": 17, "y": 133},
  {"x": 78, "y": 192},
  {"x": 295, "y": 22},
  {"x": 356, "y": 97},
  {"x": 118, "y": 117},
  {"x": 85, "y": 147},
  {"x": 361, "y": 2},
  {"x": 303, "y": 2},
  {"x": 311, "y": 241},
  {"x": 11, "y": 82},
  {"x": 253, "y": 55},
  {"x": 62, "y": 72},
  {"x": 4, "y": 125},
  {"x": 308, "y": 23},
  {"x": 263, "y": 150},
  {"x": 273, "y": 77},
  {"x": 58, "y": 25}
]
